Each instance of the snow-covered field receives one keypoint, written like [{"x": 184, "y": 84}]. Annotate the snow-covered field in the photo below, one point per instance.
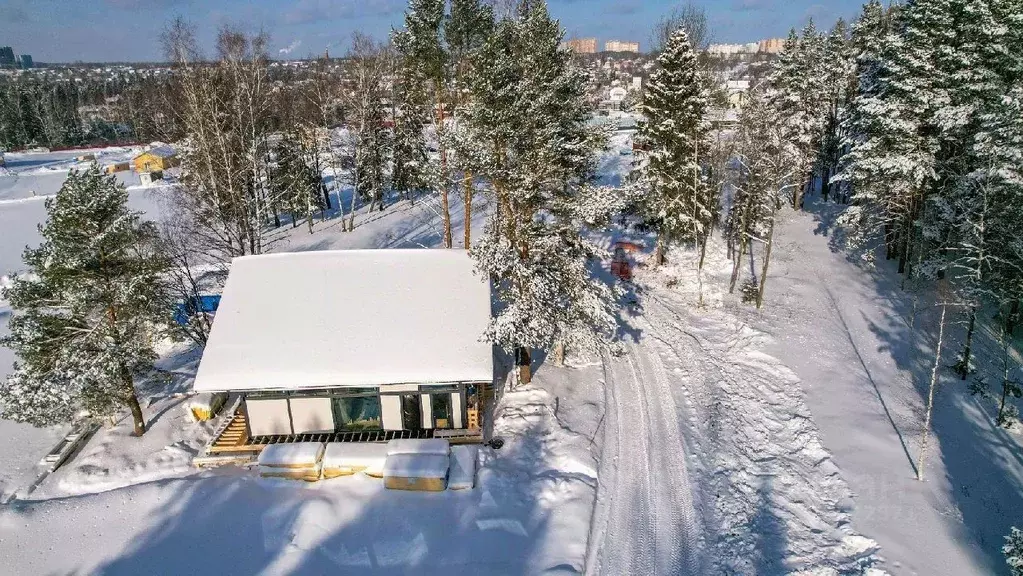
[{"x": 722, "y": 441}]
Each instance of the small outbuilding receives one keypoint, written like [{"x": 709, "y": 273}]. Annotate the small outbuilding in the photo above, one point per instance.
[
  {"x": 342, "y": 343},
  {"x": 116, "y": 167},
  {"x": 156, "y": 159}
]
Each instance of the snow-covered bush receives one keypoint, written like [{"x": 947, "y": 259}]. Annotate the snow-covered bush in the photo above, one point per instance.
[{"x": 749, "y": 291}]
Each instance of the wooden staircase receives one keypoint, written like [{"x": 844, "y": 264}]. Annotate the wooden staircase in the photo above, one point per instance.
[{"x": 234, "y": 437}]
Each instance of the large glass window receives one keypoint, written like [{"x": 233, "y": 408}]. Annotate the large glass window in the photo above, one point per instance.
[{"x": 357, "y": 413}]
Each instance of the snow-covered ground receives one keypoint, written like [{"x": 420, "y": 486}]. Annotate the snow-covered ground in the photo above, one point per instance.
[
  {"x": 846, "y": 334},
  {"x": 721, "y": 441}
]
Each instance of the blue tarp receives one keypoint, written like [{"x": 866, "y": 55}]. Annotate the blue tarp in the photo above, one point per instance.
[{"x": 195, "y": 305}]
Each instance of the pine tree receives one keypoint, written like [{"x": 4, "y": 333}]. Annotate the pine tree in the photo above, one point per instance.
[
  {"x": 85, "y": 315},
  {"x": 677, "y": 204},
  {"x": 527, "y": 138},
  {"x": 1013, "y": 550},
  {"x": 421, "y": 45},
  {"x": 837, "y": 69},
  {"x": 891, "y": 149},
  {"x": 465, "y": 31}
]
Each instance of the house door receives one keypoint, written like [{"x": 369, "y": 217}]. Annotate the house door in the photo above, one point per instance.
[
  {"x": 411, "y": 412},
  {"x": 440, "y": 405}
]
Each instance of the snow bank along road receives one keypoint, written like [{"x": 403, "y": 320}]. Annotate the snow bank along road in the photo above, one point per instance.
[{"x": 711, "y": 463}]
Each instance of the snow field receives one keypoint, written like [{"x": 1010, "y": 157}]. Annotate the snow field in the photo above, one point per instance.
[{"x": 846, "y": 332}]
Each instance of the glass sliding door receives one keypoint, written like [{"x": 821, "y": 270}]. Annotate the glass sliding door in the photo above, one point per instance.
[
  {"x": 440, "y": 404},
  {"x": 357, "y": 413}
]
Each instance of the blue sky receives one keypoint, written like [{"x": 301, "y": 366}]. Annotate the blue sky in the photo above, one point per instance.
[{"x": 109, "y": 30}]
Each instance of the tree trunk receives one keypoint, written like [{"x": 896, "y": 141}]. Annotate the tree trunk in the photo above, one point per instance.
[
  {"x": 736, "y": 264},
  {"x": 467, "y": 196},
  {"x": 1010, "y": 322},
  {"x": 825, "y": 184},
  {"x": 559, "y": 354},
  {"x": 889, "y": 241},
  {"x": 443, "y": 167},
  {"x": 133, "y": 401},
  {"x": 524, "y": 361},
  {"x": 767, "y": 262},
  {"x": 703, "y": 251},
  {"x": 930, "y": 395},
  {"x": 659, "y": 251},
  {"x": 964, "y": 366},
  {"x": 1004, "y": 341}
]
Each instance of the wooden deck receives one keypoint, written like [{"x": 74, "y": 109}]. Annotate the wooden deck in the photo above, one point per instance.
[{"x": 232, "y": 437}]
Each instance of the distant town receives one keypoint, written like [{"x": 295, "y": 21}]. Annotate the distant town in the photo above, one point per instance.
[
  {"x": 9, "y": 61},
  {"x": 589, "y": 46}
]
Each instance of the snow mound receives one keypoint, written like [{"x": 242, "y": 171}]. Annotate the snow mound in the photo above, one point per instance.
[
  {"x": 344, "y": 458},
  {"x": 438, "y": 446},
  {"x": 297, "y": 455},
  {"x": 416, "y": 466}
]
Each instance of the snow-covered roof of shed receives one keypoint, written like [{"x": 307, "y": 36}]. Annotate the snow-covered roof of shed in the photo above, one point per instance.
[
  {"x": 160, "y": 151},
  {"x": 346, "y": 319}
]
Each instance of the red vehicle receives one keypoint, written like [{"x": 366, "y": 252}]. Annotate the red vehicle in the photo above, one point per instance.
[{"x": 621, "y": 264}]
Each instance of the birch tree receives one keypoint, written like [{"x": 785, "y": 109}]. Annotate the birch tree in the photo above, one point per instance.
[{"x": 224, "y": 108}]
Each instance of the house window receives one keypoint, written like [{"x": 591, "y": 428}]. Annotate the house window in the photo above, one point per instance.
[{"x": 354, "y": 414}]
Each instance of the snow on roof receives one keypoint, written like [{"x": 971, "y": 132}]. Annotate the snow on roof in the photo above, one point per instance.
[
  {"x": 348, "y": 318},
  {"x": 160, "y": 151}
]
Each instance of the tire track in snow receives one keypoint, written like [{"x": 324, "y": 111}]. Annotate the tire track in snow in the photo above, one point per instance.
[{"x": 645, "y": 522}]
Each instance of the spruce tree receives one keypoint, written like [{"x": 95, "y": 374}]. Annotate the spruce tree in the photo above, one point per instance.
[
  {"x": 677, "y": 204},
  {"x": 409, "y": 157},
  {"x": 85, "y": 314},
  {"x": 527, "y": 137},
  {"x": 296, "y": 183}
]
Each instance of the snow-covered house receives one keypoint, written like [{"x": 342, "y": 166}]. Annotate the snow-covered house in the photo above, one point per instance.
[{"x": 351, "y": 341}]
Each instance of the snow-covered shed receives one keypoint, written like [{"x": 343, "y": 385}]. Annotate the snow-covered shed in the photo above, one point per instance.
[
  {"x": 351, "y": 341},
  {"x": 156, "y": 159}
]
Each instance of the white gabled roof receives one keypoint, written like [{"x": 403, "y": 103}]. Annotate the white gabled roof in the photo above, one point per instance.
[{"x": 348, "y": 318}]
